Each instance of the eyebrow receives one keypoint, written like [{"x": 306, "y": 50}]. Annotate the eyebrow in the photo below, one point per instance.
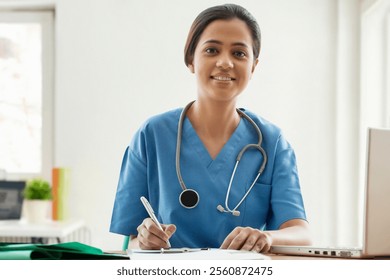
[{"x": 220, "y": 43}]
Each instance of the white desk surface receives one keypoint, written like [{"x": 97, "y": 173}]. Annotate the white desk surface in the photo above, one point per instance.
[
  {"x": 22, "y": 228},
  {"x": 266, "y": 256},
  {"x": 212, "y": 254}
]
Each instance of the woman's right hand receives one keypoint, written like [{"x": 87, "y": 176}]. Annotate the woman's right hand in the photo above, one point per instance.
[{"x": 151, "y": 237}]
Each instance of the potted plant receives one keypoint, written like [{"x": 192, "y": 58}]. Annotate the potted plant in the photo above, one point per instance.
[{"x": 38, "y": 196}]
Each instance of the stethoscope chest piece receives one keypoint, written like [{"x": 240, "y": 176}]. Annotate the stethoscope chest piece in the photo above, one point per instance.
[{"x": 189, "y": 198}]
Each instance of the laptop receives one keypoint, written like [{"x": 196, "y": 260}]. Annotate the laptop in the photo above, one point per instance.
[
  {"x": 11, "y": 199},
  {"x": 376, "y": 220}
]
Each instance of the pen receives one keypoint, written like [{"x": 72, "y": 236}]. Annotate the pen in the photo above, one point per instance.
[{"x": 150, "y": 211}]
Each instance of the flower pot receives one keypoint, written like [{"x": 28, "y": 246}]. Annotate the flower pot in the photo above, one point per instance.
[{"x": 37, "y": 211}]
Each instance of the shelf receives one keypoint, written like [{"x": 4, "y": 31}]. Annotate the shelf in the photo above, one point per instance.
[{"x": 59, "y": 230}]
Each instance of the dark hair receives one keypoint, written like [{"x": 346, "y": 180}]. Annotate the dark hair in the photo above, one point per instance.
[{"x": 224, "y": 12}]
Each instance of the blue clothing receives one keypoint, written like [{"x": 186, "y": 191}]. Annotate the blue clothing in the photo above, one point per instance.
[{"x": 148, "y": 169}]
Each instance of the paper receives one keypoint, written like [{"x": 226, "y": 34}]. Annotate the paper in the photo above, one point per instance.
[
  {"x": 195, "y": 254},
  {"x": 167, "y": 251}
]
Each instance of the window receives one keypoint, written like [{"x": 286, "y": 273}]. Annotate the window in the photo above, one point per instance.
[
  {"x": 374, "y": 71},
  {"x": 387, "y": 71},
  {"x": 26, "y": 91}
]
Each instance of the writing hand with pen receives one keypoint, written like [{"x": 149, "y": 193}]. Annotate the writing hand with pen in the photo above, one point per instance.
[{"x": 152, "y": 234}]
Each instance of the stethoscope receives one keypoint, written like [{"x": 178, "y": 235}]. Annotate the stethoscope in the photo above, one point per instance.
[{"x": 189, "y": 198}]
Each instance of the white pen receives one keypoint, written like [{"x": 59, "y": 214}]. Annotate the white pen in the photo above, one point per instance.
[{"x": 150, "y": 211}]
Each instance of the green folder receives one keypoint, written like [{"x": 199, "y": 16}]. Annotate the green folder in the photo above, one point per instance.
[{"x": 61, "y": 251}]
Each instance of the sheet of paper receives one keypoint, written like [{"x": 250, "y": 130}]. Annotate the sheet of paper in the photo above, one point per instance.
[{"x": 212, "y": 254}]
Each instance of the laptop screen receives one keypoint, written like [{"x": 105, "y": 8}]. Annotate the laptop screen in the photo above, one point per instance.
[
  {"x": 377, "y": 222},
  {"x": 11, "y": 199}
]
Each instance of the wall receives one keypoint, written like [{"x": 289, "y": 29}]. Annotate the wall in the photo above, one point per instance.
[{"x": 118, "y": 62}]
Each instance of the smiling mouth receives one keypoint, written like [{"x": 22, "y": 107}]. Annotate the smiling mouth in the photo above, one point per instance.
[{"x": 223, "y": 78}]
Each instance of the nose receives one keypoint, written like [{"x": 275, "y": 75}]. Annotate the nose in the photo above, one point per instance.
[{"x": 224, "y": 62}]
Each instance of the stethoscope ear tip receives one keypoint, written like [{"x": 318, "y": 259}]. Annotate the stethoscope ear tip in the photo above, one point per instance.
[{"x": 220, "y": 208}]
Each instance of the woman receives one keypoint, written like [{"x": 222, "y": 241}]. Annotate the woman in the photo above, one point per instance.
[{"x": 229, "y": 207}]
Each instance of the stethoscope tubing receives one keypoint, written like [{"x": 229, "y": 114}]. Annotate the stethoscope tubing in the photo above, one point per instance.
[
  {"x": 178, "y": 145},
  {"x": 239, "y": 156}
]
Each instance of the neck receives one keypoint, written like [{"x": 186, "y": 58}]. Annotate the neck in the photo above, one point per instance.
[{"x": 214, "y": 119}]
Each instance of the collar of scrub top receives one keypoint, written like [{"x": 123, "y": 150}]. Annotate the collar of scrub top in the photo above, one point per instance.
[{"x": 189, "y": 198}]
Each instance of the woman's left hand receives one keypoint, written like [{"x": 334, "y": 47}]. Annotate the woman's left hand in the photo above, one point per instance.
[{"x": 249, "y": 239}]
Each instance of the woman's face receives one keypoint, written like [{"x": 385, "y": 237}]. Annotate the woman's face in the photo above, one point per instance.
[{"x": 223, "y": 60}]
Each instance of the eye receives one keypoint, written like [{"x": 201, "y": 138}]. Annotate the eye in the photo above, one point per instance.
[
  {"x": 239, "y": 54},
  {"x": 211, "y": 51}
]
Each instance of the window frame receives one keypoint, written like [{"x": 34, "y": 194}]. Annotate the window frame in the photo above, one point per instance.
[{"x": 45, "y": 17}]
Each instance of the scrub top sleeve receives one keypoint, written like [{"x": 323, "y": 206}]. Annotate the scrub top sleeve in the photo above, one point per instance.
[
  {"x": 128, "y": 212},
  {"x": 286, "y": 196}
]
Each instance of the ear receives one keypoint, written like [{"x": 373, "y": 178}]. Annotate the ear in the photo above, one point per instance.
[
  {"x": 191, "y": 67},
  {"x": 255, "y": 62}
]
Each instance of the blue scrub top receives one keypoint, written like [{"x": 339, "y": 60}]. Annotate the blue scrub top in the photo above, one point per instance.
[{"x": 148, "y": 169}]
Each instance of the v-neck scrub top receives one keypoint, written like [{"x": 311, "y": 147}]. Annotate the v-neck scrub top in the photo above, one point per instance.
[{"x": 148, "y": 169}]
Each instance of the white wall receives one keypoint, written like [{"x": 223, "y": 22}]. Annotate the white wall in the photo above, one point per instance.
[{"x": 118, "y": 62}]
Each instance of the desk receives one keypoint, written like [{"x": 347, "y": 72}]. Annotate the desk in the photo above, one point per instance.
[
  {"x": 20, "y": 231},
  {"x": 268, "y": 255}
]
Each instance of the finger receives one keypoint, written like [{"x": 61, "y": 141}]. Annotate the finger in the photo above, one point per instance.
[
  {"x": 263, "y": 244},
  {"x": 265, "y": 248},
  {"x": 251, "y": 242},
  {"x": 164, "y": 235},
  {"x": 154, "y": 229},
  {"x": 257, "y": 240},
  {"x": 238, "y": 239},
  {"x": 169, "y": 229},
  {"x": 261, "y": 247},
  {"x": 228, "y": 240},
  {"x": 147, "y": 240},
  {"x": 151, "y": 236}
]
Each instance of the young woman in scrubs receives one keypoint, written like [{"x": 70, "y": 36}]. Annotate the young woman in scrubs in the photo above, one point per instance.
[{"x": 222, "y": 52}]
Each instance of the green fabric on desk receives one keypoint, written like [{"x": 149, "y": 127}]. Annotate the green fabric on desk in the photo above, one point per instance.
[{"x": 61, "y": 251}]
